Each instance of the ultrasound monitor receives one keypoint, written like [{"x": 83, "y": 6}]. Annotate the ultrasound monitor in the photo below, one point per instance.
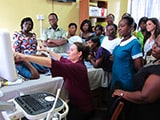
[{"x": 7, "y": 64}]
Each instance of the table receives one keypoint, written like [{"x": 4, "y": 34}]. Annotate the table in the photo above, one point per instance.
[
  {"x": 44, "y": 83},
  {"x": 96, "y": 77}
]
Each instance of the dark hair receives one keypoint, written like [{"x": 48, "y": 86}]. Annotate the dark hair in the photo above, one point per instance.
[
  {"x": 126, "y": 14},
  {"x": 100, "y": 27},
  {"x": 130, "y": 20},
  {"x": 110, "y": 14},
  {"x": 114, "y": 25},
  {"x": 26, "y": 19},
  {"x": 143, "y": 19},
  {"x": 54, "y": 15},
  {"x": 134, "y": 26},
  {"x": 72, "y": 24},
  {"x": 89, "y": 25},
  {"x": 94, "y": 39},
  {"x": 156, "y": 22},
  {"x": 82, "y": 47}
]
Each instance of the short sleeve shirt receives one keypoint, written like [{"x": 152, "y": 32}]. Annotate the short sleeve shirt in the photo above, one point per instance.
[
  {"x": 105, "y": 54},
  {"x": 50, "y": 33},
  {"x": 123, "y": 64}
]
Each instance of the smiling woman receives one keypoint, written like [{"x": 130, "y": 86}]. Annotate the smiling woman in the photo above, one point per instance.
[
  {"x": 25, "y": 38},
  {"x": 25, "y": 42}
]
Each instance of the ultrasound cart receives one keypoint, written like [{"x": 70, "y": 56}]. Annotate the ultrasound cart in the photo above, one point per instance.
[{"x": 37, "y": 106}]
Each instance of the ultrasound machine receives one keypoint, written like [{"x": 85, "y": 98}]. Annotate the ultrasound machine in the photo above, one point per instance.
[{"x": 34, "y": 106}]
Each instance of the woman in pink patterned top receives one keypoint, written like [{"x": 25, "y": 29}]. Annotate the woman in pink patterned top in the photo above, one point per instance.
[{"x": 25, "y": 41}]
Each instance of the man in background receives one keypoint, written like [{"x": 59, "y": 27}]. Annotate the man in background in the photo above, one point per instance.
[
  {"x": 110, "y": 19},
  {"x": 71, "y": 34},
  {"x": 54, "y": 37}
]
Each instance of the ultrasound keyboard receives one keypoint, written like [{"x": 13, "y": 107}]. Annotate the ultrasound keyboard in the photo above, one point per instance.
[{"x": 37, "y": 103}]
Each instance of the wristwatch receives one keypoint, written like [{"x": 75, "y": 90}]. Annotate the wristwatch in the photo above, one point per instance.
[
  {"x": 48, "y": 51},
  {"x": 121, "y": 94}
]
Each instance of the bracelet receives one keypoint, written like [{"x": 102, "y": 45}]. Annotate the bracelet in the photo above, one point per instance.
[{"x": 121, "y": 94}]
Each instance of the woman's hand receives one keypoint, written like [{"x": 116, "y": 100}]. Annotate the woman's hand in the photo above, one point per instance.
[
  {"x": 89, "y": 57},
  {"x": 118, "y": 92},
  {"x": 19, "y": 57},
  {"x": 42, "y": 48}
]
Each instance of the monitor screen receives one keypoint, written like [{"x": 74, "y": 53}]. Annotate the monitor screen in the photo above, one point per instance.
[{"x": 7, "y": 67}]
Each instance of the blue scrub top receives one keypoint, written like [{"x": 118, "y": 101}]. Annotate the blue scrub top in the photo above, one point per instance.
[{"x": 123, "y": 64}]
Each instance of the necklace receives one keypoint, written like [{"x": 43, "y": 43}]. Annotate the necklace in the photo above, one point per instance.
[{"x": 156, "y": 62}]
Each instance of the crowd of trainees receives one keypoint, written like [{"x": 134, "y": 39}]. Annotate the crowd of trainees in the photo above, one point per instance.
[{"x": 123, "y": 57}]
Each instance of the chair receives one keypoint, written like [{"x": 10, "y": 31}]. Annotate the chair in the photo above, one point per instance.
[{"x": 115, "y": 109}]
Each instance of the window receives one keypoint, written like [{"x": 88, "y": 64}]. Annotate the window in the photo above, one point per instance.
[{"x": 141, "y": 8}]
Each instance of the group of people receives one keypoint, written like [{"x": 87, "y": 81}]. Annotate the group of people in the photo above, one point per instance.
[
  {"x": 131, "y": 61},
  {"x": 54, "y": 41},
  {"x": 135, "y": 74}
]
